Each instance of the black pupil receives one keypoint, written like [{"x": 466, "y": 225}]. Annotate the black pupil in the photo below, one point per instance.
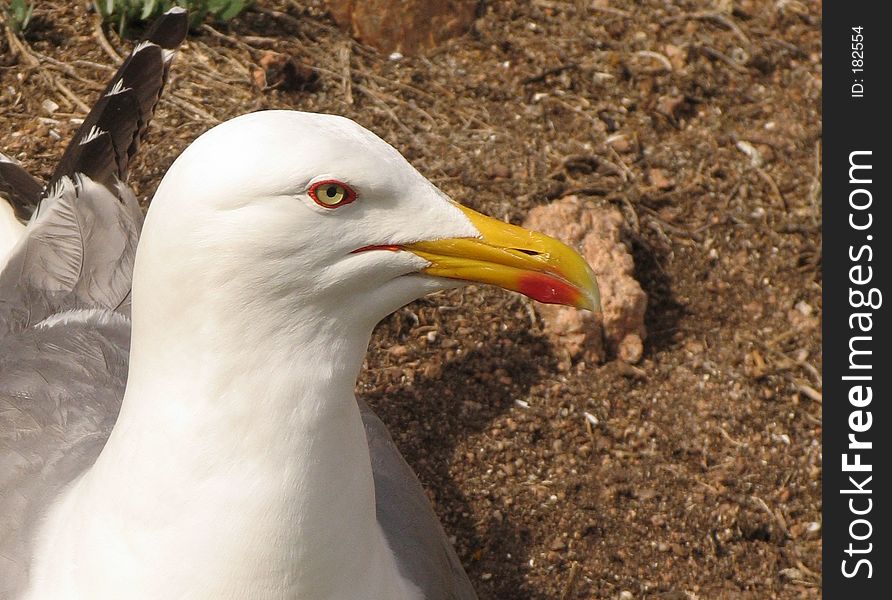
[{"x": 332, "y": 191}]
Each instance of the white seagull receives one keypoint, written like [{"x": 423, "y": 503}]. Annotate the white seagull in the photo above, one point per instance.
[{"x": 240, "y": 465}]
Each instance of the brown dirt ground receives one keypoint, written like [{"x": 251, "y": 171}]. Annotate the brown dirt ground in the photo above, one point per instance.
[{"x": 702, "y": 477}]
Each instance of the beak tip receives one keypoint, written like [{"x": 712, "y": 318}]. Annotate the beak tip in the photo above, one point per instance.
[
  {"x": 592, "y": 301},
  {"x": 592, "y": 292}
]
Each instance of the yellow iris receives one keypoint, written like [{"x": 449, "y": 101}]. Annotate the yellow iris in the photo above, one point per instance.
[{"x": 331, "y": 194}]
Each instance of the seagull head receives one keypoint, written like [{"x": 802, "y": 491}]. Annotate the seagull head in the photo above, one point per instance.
[{"x": 317, "y": 210}]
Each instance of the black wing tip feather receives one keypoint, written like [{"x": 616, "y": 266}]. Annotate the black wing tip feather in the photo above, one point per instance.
[
  {"x": 170, "y": 29},
  {"x": 125, "y": 107}
]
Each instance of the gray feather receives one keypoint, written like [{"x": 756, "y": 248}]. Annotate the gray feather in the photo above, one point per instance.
[
  {"x": 423, "y": 553},
  {"x": 77, "y": 253},
  {"x": 60, "y": 392}
]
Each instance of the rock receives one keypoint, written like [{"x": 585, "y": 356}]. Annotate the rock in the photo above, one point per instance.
[
  {"x": 621, "y": 143},
  {"x": 49, "y": 107},
  {"x": 813, "y": 529},
  {"x": 558, "y": 544},
  {"x": 677, "y": 56},
  {"x": 596, "y": 233},
  {"x": 671, "y": 106},
  {"x": 805, "y": 308},
  {"x": 659, "y": 180},
  {"x": 398, "y": 351},
  {"x": 284, "y": 73},
  {"x": 802, "y": 317},
  {"x": 404, "y": 26},
  {"x": 499, "y": 171},
  {"x": 631, "y": 348},
  {"x": 752, "y": 152}
]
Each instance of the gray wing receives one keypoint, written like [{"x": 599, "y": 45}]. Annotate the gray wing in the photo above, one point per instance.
[
  {"x": 423, "y": 552},
  {"x": 79, "y": 246},
  {"x": 60, "y": 392},
  {"x": 64, "y": 300},
  {"x": 77, "y": 253}
]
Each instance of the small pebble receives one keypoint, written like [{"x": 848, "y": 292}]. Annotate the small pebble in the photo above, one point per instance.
[
  {"x": 631, "y": 349},
  {"x": 398, "y": 351},
  {"x": 49, "y": 106},
  {"x": 804, "y": 308},
  {"x": 620, "y": 143},
  {"x": 751, "y": 151}
]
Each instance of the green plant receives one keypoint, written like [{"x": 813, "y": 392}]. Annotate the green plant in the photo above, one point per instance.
[
  {"x": 126, "y": 12},
  {"x": 18, "y": 14}
]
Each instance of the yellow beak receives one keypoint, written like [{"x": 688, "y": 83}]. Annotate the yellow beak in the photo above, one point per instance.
[{"x": 515, "y": 259}]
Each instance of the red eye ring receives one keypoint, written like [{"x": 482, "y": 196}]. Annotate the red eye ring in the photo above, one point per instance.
[{"x": 331, "y": 193}]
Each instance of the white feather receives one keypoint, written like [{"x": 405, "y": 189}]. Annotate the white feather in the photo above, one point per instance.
[
  {"x": 117, "y": 88},
  {"x": 94, "y": 133},
  {"x": 97, "y": 316},
  {"x": 142, "y": 46}
]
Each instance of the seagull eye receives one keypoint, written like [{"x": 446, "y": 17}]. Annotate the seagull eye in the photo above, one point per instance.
[{"x": 331, "y": 194}]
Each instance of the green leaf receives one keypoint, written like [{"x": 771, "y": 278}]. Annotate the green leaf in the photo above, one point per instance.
[
  {"x": 19, "y": 14},
  {"x": 125, "y": 12},
  {"x": 148, "y": 9}
]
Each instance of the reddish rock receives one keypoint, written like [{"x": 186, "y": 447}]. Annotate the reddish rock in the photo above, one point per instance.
[
  {"x": 596, "y": 233},
  {"x": 659, "y": 180},
  {"x": 406, "y": 26}
]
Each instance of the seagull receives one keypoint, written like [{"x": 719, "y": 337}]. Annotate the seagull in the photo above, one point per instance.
[{"x": 199, "y": 436}]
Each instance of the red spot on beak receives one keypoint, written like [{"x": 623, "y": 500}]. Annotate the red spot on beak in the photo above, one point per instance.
[{"x": 547, "y": 289}]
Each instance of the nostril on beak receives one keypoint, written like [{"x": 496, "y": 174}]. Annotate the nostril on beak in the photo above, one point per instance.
[{"x": 527, "y": 252}]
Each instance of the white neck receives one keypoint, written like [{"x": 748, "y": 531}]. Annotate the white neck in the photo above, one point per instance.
[{"x": 238, "y": 455}]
